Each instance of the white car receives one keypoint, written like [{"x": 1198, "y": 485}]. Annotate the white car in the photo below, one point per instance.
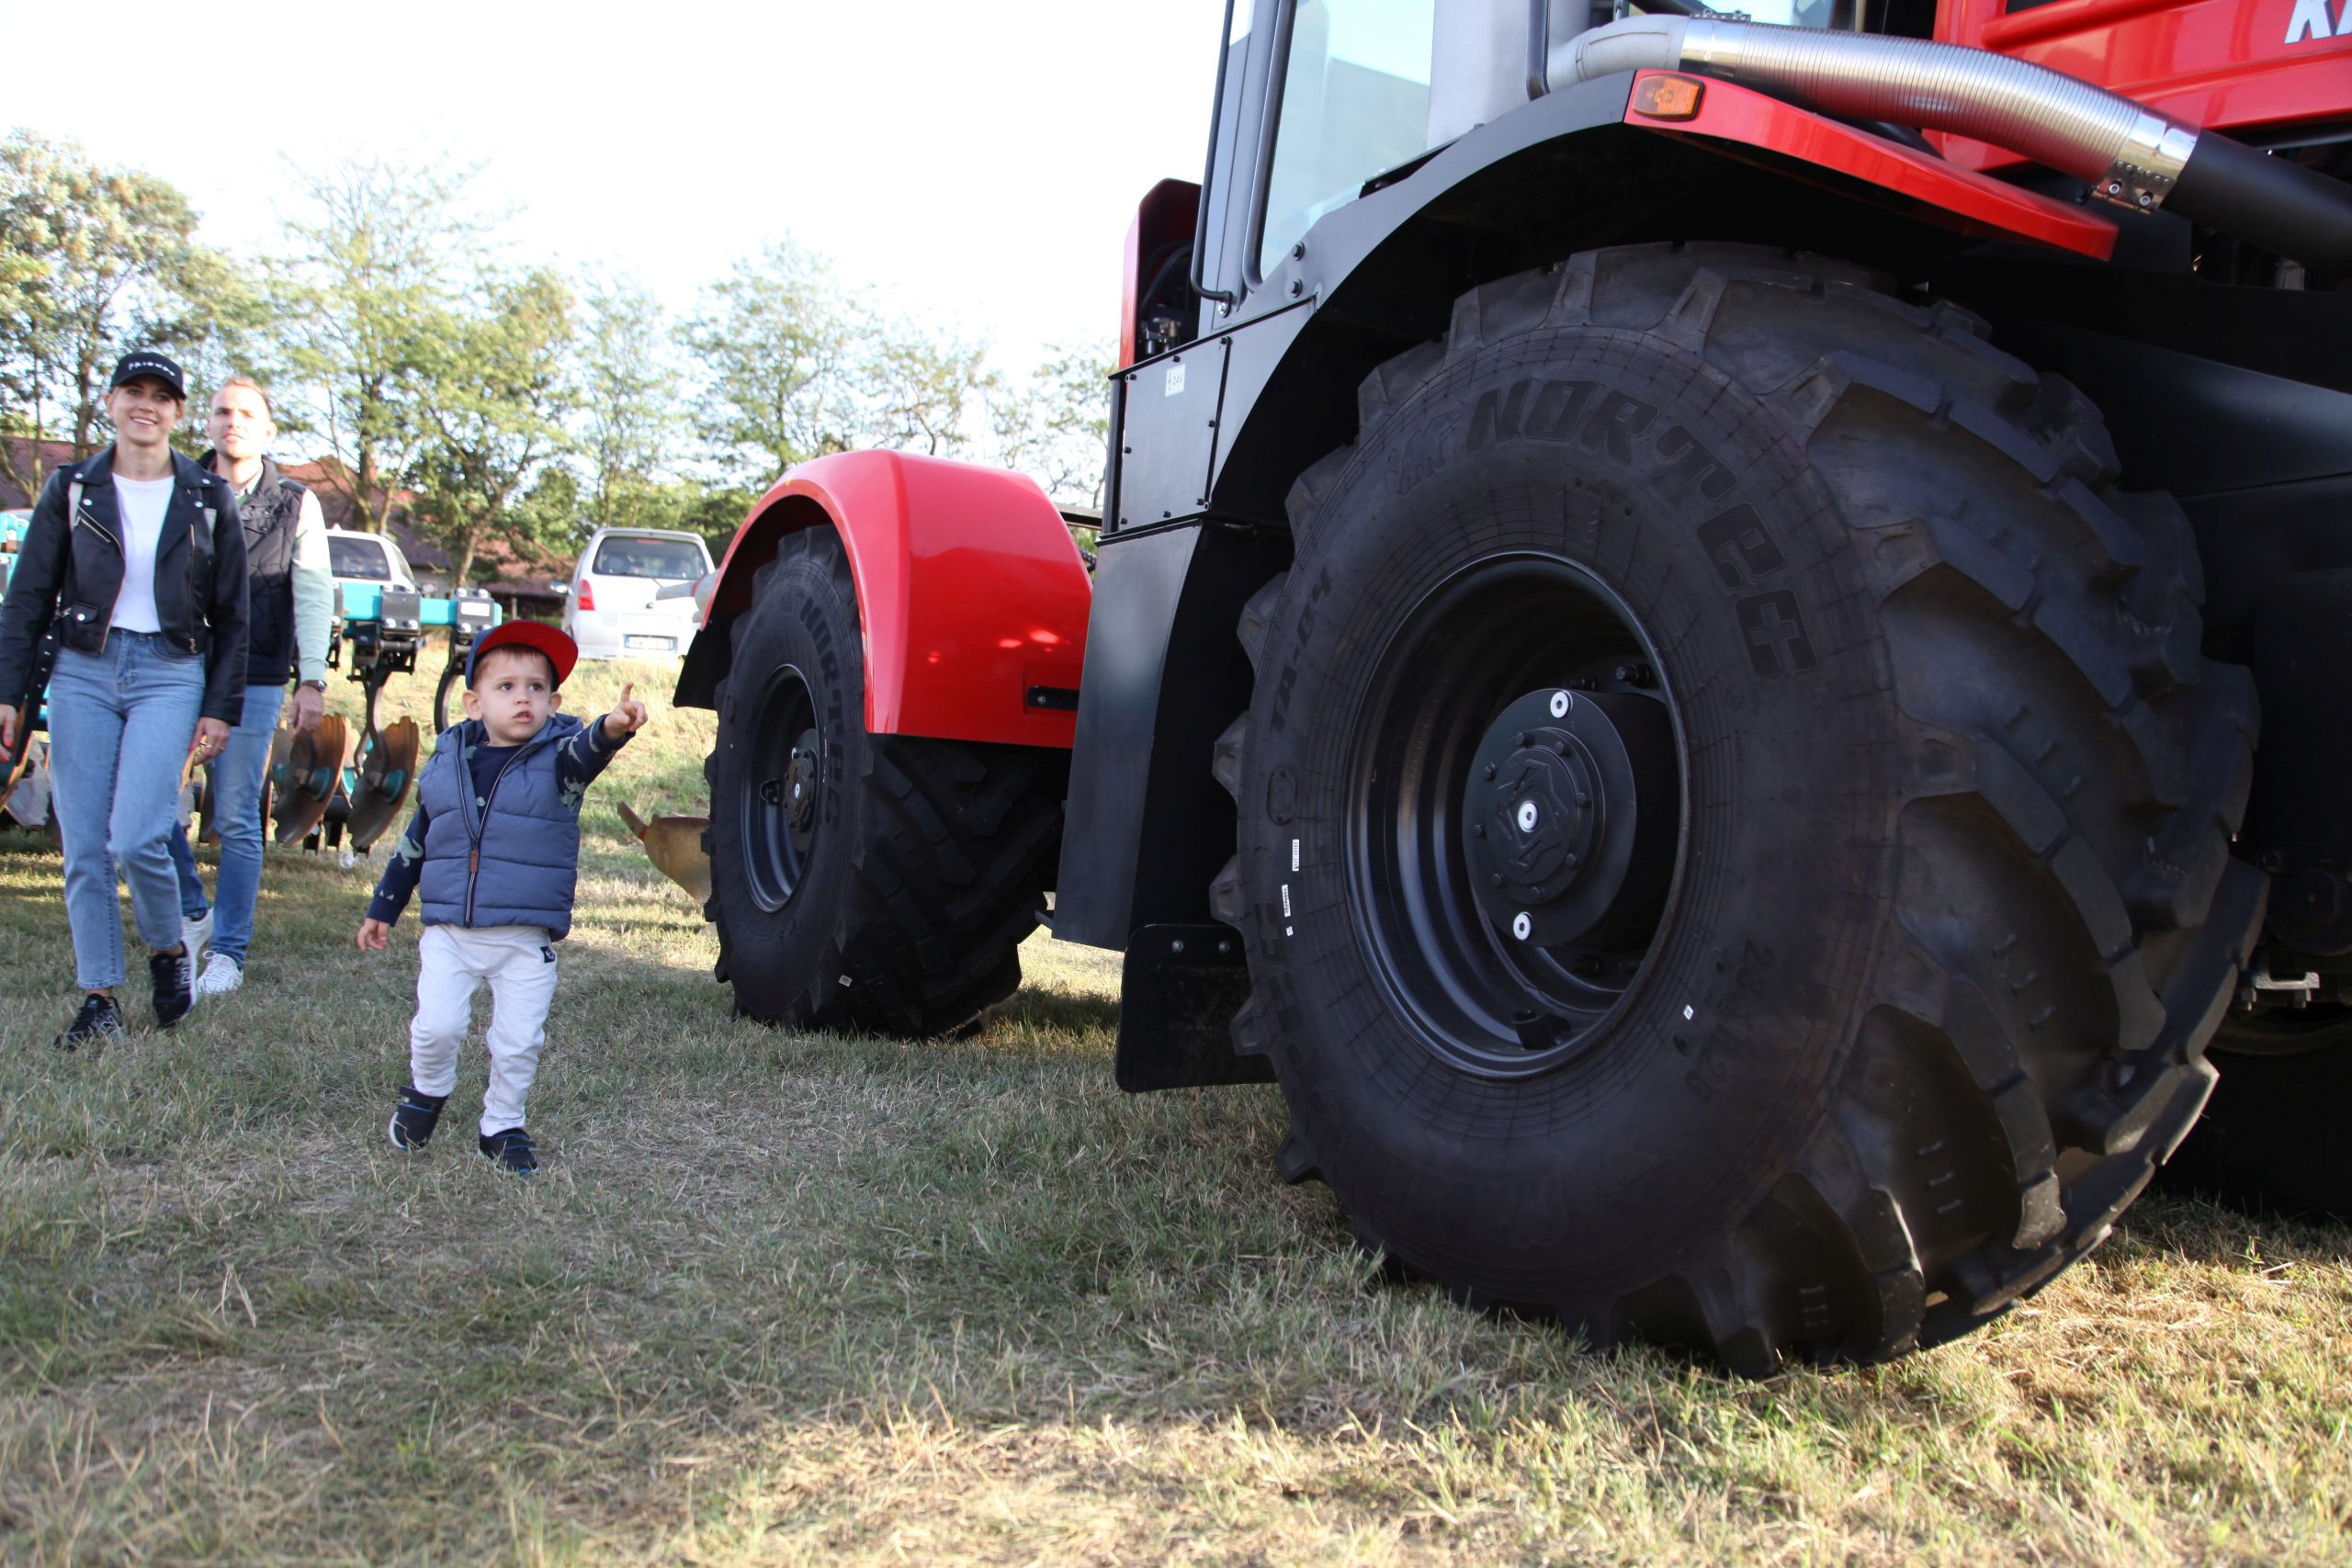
[
  {"x": 374, "y": 560},
  {"x": 616, "y": 608}
]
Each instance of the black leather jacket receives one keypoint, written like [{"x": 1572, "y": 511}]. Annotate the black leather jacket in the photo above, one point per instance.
[{"x": 199, "y": 577}]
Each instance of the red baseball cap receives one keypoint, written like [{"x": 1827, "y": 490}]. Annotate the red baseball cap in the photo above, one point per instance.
[{"x": 537, "y": 636}]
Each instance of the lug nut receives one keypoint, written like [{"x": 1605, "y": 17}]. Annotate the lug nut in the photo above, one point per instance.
[{"x": 1527, "y": 817}]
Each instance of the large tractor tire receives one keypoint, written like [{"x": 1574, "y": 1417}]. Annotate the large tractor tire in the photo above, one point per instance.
[
  {"x": 860, "y": 881},
  {"x": 1734, "y": 821}
]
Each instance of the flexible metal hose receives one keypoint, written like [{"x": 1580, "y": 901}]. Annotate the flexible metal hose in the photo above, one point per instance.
[{"x": 2130, "y": 154}]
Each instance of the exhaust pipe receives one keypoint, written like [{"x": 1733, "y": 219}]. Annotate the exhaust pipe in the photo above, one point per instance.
[{"x": 2130, "y": 154}]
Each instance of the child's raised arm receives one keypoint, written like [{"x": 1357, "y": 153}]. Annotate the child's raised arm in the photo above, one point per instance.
[
  {"x": 582, "y": 757},
  {"x": 628, "y": 715}
]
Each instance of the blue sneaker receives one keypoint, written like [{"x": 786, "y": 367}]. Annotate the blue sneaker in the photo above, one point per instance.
[
  {"x": 414, "y": 1118},
  {"x": 513, "y": 1150}
]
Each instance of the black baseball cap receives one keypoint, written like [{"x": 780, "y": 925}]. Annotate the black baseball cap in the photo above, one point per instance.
[{"x": 147, "y": 362}]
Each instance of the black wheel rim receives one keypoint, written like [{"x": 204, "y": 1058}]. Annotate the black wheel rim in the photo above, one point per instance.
[
  {"x": 1515, "y": 814},
  {"x": 782, "y": 787}
]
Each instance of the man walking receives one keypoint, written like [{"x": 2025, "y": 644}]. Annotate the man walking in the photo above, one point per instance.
[{"x": 290, "y": 598}]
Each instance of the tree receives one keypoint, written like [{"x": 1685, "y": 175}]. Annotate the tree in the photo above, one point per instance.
[
  {"x": 1056, "y": 426},
  {"x": 628, "y": 411},
  {"x": 919, "y": 390},
  {"x": 499, "y": 395},
  {"x": 777, "y": 343},
  {"x": 369, "y": 297},
  {"x": 713, "y": 511},
  {"x": 94, "y": 262}
]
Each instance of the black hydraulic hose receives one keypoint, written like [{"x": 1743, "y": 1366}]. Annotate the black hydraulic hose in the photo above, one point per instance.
[{"x": 2274, "y": 202}]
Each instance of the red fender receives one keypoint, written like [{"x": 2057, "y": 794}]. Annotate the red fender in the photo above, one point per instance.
[
  {"x": 970, "y": 590},
  {"x": 1741, "y": 122}
]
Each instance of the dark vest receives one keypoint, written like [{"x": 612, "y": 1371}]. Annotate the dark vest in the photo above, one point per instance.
[
  {"x": 529, "y": 836},
  {"x": 272, "y": 511}
]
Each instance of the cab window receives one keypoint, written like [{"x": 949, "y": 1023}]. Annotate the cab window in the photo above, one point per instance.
[{"x": 1355, "y": 104}]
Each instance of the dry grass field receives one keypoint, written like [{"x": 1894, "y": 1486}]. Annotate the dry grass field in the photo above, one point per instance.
[{"x": 784, "y": 1298}]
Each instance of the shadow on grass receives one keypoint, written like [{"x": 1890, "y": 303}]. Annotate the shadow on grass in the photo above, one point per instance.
[
  {"x": 2202, "y": 1228},
  {"x": 1056, "y": 1009}
]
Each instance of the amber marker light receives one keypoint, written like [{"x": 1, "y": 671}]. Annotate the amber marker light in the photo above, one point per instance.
[{"x": 1669, "y": 96}]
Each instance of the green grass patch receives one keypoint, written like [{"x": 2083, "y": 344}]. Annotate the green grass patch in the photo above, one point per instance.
[{"x": 784, "y": 1298}]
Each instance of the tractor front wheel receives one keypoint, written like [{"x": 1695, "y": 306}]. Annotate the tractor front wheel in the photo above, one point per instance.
[{"x": 861, "y": 881}]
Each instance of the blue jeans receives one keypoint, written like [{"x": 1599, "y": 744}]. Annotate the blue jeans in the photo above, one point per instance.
[
  {"x": 236, "y": 816},
  {"x": 119, "y": 724}
]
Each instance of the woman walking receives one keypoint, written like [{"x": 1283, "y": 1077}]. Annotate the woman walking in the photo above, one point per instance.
[{"x": 136, "y": 558}]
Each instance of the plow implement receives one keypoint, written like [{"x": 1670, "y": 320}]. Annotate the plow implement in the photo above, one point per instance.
[
  {"x": 674, "y": 845},
  {"x": 379, "y": 786},
  {"x": 305, "y": 778}
]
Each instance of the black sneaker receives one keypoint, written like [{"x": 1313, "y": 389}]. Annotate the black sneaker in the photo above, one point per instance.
[
  {"x": 98, "y": 1022},
  {"x": 512, "y": 1149},
  {"x": 414, "y": 1118},
  {"x": 174, "y": 977}
]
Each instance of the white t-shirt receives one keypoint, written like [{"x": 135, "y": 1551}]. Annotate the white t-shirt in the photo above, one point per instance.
[{"x": 140, "y": 504}]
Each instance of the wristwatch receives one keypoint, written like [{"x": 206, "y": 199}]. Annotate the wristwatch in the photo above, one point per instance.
[{"x": 315, "y": 685}]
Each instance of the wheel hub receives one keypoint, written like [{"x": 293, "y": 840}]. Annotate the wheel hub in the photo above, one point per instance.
[
  {"x": 1554, "y": 818},
  {"x": 1515, "y": 811},
  {"x": 779, "y": 807},
  {"x": 799, "y": 786}
]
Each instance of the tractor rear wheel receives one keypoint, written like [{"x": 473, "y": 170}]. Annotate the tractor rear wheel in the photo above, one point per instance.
[
  {"x": 860, "y": 881},
  {"x": 2272, "y": 1137},
  {"x": 1734, "y": 820}
]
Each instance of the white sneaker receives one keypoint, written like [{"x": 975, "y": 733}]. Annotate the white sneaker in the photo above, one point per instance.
[
  {"x": 221, "y": 974},
  {"x": 197, "y": 934}
]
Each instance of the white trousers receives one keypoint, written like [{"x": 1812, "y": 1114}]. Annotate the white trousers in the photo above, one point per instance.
[{"x": 519, "y": 963}]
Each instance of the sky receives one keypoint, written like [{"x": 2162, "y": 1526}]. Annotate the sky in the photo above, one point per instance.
[{"x": 973, "y": 165}]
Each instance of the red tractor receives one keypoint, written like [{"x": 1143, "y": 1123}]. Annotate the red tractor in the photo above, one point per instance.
[{"x": 1676, "y": 651}]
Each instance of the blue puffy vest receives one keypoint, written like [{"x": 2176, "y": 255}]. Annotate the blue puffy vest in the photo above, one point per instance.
[{"x": 529, "y": 838}]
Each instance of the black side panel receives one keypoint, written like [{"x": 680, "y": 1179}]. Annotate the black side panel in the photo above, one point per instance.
[
  {"x": 2296, "y": 825},
  {"x": 1148, "y": 826},
  {"x": 1167, "y": 423},
  {"x": 2255, "y": 537}
]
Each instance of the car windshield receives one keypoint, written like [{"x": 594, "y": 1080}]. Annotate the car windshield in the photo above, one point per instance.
[
  {"x": 624, "y": 557},
  {"x": 361, "y": 558}
]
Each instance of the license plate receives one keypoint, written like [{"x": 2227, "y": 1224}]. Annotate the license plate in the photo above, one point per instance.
[{"x": 663, "y": 644}]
